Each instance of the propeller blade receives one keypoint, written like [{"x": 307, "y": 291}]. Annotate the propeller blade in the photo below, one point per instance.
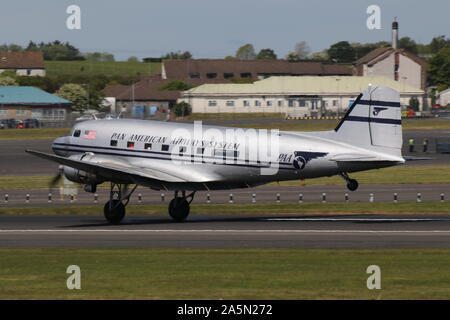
[{"x": 57, "y": 178}]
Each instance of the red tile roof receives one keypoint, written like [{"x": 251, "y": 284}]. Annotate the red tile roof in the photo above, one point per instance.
[{"x": 21, "y": 60}]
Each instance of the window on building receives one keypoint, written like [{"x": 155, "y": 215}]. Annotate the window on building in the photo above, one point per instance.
[
  {"x": 200, "y": 150},
  {"x": 113, "y": 143},
  {"x": 76, "y": 133},
  {"x": 257, "y": 103},
  {"x": 130, "y": 144},
  {"x": 301, "y": 103},
  {"x": 290, "y": 103},
  {"x": 228, "y": 75},
  {"x": 194, "y": 75},
  {"x": 230, "y": 103},
  {"x": 280, "y": 103},
  {"x": 20, "y": 112},
  {"x": 148, "y": 146},
  {"x": 246, "y": 103},
  {"x": 335, "y": 103},
  {"x": 269, "y": 103},
  {"x": 182, "y": 149},
  {"x": 28, "y": 72},
  {"x": 212, "y": 103},
  {"x": 165, "y": 147},
  {"x": 246, "y": 75},
  {"x": 211, "y": 75}
]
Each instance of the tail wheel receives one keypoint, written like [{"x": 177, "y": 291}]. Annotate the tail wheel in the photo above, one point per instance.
[
  {"x": 114, "y": 211},
  {"x": 352, "y": 184},
  {"x": 179, "y": 209}
]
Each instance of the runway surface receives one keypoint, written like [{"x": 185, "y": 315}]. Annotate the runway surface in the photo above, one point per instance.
[{"x": 227, "y": 231}]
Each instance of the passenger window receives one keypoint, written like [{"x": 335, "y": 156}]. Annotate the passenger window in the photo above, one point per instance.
[
  {"x": 165, "y": 147},
  {"x": 113, "y": 143},
  {"x": 148, "y": 146},
  {"x": 182, "y": 149},
  {"x": 200, "y": 150},
  {"x": 77, "y": 133},
  {"x": 130, "y": 144}
]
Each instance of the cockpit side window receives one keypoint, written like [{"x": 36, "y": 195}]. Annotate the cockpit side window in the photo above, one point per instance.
[{"x": 76, "y": 133}]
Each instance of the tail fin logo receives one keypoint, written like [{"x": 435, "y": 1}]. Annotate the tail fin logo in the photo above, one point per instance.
[{"x": 377, "y": 110}]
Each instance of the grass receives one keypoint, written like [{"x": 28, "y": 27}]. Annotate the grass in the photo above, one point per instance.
[
  {"x": 90, "y": 68},
  {"x": 394, "y": 175},
  {"x": 224, "y": 273},
  {"x": 255, "y": 208},
  {"x": 293, "y": 125},
  {"x": 33, "y": 134},
  {"x": 323, "y": 125},
  {"x": 231, "y": 116}
]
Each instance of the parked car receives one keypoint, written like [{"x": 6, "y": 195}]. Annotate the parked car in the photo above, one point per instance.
[
  {"x": 9, "y": 123},
  {"x": 20, "y": 124},
  {"x": 2, "y": 124},
  {"x": 32, "y": 123}
]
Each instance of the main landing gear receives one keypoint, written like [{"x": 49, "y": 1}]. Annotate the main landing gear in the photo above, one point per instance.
[
  {"x": 119, "y": 196},
  {"x": 352, "y": 184},
  {"x": 179, "y": 207}
]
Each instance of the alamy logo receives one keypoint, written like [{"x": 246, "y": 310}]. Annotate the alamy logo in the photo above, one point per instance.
[
  {"x": 374, "y": 20},
  {"x": 73, "y": 22}
]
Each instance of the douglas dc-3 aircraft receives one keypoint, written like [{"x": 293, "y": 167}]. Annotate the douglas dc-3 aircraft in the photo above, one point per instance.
[{"x": 173, "y": 156}]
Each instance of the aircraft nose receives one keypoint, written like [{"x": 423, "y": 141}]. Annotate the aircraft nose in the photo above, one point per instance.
[{"x": 59, "y": 144}]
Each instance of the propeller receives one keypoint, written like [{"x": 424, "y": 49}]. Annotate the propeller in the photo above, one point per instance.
[{"x": 55, "y": 180}]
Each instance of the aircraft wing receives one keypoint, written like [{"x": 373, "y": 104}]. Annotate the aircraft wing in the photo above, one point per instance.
[{"x": 115, "y": 171}]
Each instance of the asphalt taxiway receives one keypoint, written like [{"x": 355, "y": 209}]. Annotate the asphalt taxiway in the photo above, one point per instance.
[{"x": 227, "y": 231}]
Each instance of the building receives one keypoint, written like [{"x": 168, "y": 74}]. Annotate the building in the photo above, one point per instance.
[
  {"x": 27, "y": 102},
  {"x": 444, "y": 97},
  {"x": 143, "y": 99},
  {"x": 23, "y": 63},
  {"x": 294, "y": 96},
  {"x": 226, "y": 69},
  {"x": 393, "y": 63}
]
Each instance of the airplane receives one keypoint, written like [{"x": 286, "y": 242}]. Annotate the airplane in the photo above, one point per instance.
[{"x": 173, "y": 157}]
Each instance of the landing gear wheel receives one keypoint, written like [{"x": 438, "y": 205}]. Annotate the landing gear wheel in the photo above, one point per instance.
[
  {"x": 179, "y": 209},
  {"x": 352, "y": 184},
  {"x": 114, "y": 211}
]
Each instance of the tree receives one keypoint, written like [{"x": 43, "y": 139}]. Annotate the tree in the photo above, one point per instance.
[
  {"x": 321, "y": 55},
  {"x": 301, "y": 52},
  {"x": 437, "y": 43},
  {"x": 246, "y": 52},
  {"x": 266, "y": 54},
  {"x": 7, "y": 81},
  {"x": 178, "y": 55},
  {"x": 341, "y": 52},
  {"x": 439, "y": 69},
  {"x": 182, "y": 109},
  {"x": 133, "y": 59},
  {"x": 99, "y": 56},
  {"x": 414, "y": 103},
  {"x": 75, "y": 93},
  {"x": 176, "y": 85},
  {"x": 408, "y": 44}
]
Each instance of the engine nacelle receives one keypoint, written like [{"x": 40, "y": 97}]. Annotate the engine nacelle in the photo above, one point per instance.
[{"x": 79, "y": 176}]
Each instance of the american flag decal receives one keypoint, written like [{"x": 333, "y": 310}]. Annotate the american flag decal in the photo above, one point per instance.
[{"x": 90, "y": 134}]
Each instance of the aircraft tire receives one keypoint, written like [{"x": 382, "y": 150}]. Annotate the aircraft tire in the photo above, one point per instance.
[
  {"x": 352, "y": 184},
  {"x": 116, "y": 214},
  {"x": 179, "y": 209}
]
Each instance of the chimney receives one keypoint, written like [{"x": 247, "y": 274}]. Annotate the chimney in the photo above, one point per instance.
[{"x": 395, "y": 34}]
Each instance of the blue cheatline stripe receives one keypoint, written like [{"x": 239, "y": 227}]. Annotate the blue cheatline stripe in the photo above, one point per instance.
[
  {"x": 379, "y": 103},
  {"x": 377, "y": 120},
  {"x": 168, "y": 153},
  {"x": 169, "y": 159}
]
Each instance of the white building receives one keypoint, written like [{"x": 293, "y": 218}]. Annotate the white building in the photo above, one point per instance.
[
  {"x": 294, "y": 96},
  {"x": 444, "y": 97}
]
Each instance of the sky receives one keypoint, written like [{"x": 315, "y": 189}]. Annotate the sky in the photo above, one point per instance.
[{"x": 216, "y": 28}]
